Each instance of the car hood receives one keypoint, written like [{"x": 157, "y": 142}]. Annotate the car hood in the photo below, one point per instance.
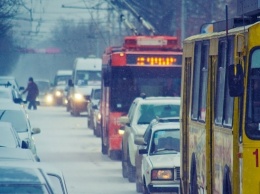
[
  {"x": 140, "y": 129},
  {"x": 85, "y": 90},
  {"x": 165, "y": 160}
]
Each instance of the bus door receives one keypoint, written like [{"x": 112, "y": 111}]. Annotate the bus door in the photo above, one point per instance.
[{"x": 185, "y": 112}]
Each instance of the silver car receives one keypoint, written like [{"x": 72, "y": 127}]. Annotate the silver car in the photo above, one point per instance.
[{"x": 17, "y": 115}]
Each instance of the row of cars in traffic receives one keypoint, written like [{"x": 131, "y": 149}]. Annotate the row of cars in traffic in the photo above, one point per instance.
[
  {"x": 20, "y": 166},
  {"x": 150, "y": 142}
]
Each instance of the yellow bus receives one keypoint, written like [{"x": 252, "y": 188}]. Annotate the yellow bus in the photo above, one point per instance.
[{"x": 220, "y": 112}]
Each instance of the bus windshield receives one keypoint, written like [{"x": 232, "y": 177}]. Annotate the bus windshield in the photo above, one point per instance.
[{"x": 127, "y": 83}]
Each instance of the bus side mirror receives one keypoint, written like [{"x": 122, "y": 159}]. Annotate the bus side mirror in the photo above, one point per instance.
[{"x": 235, "y": 80}]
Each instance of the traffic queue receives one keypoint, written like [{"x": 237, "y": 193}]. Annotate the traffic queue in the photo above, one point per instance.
[{"x": 21, "y": 168}]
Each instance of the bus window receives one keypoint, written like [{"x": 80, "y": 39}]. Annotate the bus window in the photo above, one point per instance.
[
  {"x": 223, "y": 103},
  {"x": 200, "y": 81},
  {"x": 253, "y": 111},
  {"x": 196, "y": 78}
]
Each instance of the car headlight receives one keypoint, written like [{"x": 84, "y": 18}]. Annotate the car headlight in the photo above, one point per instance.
[
  {"x": 162, "y": 174},
  {"x": 78, "y": 96},
  {"x": 98, "y": 116},
  {"x": 58, "y": 93},
  {"x": 49, "y": 98}
]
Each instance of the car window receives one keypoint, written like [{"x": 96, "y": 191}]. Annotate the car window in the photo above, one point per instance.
[
  {"x": 147, "y": 112},
  {"x": 165, "y": 141},
  {"x": 97, "y": 94},
  {"x": 16, "y": 117},
  {"x": 56, "y": 182}
]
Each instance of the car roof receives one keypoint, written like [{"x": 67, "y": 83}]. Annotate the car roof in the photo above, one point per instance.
[
  {"x": 15, "y": 154},
  {"x": 165, "y": 123},
  {"x": 17, "y": 172},
  {"x": 10, "y": 106},
  {"x": 159, "y": 98}
]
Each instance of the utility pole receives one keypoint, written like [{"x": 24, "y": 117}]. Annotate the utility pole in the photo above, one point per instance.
[{"x": 183, "y": 20}]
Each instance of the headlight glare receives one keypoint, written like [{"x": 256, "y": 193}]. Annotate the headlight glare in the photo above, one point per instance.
[
  {"x": 49, "y": 98},
  {"x": 78, "y": 96},
  {"x": 58, "y": 93},
  {"x": 162, "y": 174}
]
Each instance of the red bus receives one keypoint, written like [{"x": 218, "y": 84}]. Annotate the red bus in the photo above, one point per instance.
[{"x": 144, "y": 64}]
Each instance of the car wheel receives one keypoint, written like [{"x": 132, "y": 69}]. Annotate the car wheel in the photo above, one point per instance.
[
  {"x": 139, "y": 187},
  {"x": 98, "y": 131},
  {"x": 131, "y": 172},
  {"x": 124, "y": 166},
  {"x": 145, "y": 189}
]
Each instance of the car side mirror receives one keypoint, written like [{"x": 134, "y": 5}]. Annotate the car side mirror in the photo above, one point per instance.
[
  {"x": 124, "y": 120},
  {"x": 143, "y": 151},
  {"x": 235, "y": 80},
  {"x": 21, "y": 88},
  {"x": 36, "y": 131},
  {"x": 18, "y": 100},
  {"x": 95, "y": 106},
  {"x": 139, "y": 141},
  {"x": 25, "y": 145}
]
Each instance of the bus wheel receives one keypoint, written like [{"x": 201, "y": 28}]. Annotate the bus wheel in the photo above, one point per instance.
[
  {"x": 226, "y": 181},
  {"x": 193, "y": 176}
]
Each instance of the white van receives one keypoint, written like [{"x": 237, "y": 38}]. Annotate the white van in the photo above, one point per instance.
[{"x": 86, "y": 75}]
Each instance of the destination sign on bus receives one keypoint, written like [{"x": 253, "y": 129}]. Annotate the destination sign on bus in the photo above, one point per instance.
[{"x": 153, "y": 60}]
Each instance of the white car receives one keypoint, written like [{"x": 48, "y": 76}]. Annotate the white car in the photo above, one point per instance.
[
  {"x": 18, "y": 117},
  {"x": 161, "y": 157},
  {"x": 141, "y": 113}
]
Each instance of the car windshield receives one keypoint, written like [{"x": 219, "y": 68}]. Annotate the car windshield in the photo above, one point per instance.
[
  {"x": 97, "y": 94},
  {"x": 147, "y": 112},
  {"x": 23, "y": 188},
  {"x": 16, "y": 117},
  {"x": 84, "y": 78},
  {"x": 165, "y": 141}
]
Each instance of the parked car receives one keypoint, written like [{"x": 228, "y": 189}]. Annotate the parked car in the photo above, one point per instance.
[
  {"x": 31, "y": 177},
  {"x": 160, "y": 148},
  {"x": 10, "y": 94},
  {"x": 141, "y": 113},
  {"x": 45, "y": 97},
  {"x": 9, "y": 136},
  {"x": 10, "y": 81},
  {"x": 8, "y": 154},
  {"x": 17, "y": 115}
]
